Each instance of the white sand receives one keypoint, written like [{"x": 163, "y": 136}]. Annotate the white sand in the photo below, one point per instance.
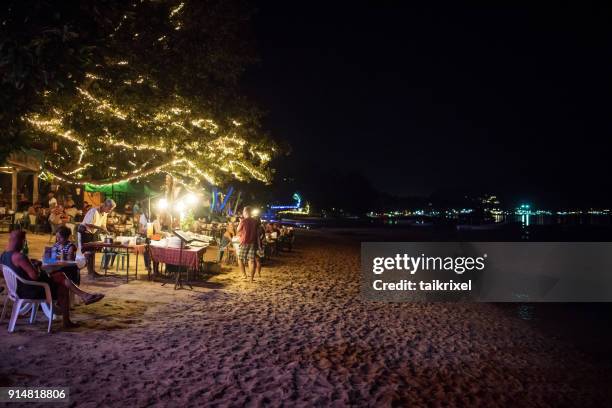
[{"x": 299, "y": 336}]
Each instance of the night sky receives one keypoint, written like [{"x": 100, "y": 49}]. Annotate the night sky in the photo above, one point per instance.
[{"x": 513, "y": 100}]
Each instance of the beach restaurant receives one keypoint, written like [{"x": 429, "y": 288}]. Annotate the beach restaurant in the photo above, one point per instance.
[{"x": 169, "y": 233}]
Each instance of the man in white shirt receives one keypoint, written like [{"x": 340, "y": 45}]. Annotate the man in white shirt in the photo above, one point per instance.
[{"x": 94, "y": 221}]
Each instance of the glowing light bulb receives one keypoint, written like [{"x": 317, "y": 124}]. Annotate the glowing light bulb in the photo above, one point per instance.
[
  {"x": 191, "y": 199},
  {"x": 162, "y": 204},
  {"x": 179, "y": 207}
]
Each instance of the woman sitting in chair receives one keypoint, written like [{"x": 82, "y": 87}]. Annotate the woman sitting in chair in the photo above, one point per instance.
[
  {"x": 226, "y": 240},
  {"x": 60, "y": 284},
  {"x": 66, "y": 250},
  {"x": 57, "y": 218}
]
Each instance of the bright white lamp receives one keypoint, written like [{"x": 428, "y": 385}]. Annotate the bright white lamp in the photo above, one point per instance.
[
  {"x": 179, "y": 206},
  {"x": 162, "y": 204},
  {"x": 191, "y": 199}
]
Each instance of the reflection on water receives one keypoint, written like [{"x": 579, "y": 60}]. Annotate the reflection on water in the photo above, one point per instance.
[
  {"x": 555, "y": 227},
  {"x": 585, "y": 326},
  {"x": 525, "y": 220},
  {"x": 549, "y": 219},
  {"x": 525, "y": 311}
]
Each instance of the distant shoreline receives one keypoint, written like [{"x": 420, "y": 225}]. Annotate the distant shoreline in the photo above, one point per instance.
[{"x": 541, "y": 233}]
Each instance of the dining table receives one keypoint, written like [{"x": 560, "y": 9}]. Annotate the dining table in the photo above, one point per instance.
[
  {"x": 117, "y": 247},
  {"x": 50, "y": 265},
  {"x": 186, "y": 260},
  {"x": 190, "y": 257}
]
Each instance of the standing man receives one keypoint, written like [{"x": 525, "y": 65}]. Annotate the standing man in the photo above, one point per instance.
[
  {"x": 94, "y": 221},
  {"x": 247, "y": 232}
]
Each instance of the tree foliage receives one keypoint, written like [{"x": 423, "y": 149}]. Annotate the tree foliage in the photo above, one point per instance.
[
  {"x": 137, "y": 88},
  {"x": 44, "y": 46}
]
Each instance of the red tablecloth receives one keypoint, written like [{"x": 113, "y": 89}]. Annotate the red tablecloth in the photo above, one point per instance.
[{"x": 191, "y": 256}]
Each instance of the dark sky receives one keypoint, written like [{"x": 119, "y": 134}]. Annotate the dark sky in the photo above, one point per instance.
[{"x": 514, "y": 100}]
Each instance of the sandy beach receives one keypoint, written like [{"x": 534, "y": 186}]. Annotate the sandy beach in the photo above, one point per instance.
[{"x": 301, "y": 336}]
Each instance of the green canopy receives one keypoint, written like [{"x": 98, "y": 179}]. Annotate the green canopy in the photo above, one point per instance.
[{"x": 124, "y": 187}]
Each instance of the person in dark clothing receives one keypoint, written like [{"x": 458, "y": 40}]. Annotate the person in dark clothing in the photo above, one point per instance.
[
  {"x": 226, "y": 240},
  {"x": 28, "y": 269},
  {"x": 23, "y": 204},
  {"x": 66, "y": 250},
  {"x": 247, "y": 231}
]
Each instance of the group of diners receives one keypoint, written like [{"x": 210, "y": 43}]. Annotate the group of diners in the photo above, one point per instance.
[
  {"x": 65, "y": 278},
  {"x": 55, "y": 211},
  {"x": 252, "y": 235},
  {"x": 51, "y": 213}
]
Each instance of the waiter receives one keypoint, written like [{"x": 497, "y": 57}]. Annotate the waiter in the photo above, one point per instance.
[{"x": 93, "y": 222}]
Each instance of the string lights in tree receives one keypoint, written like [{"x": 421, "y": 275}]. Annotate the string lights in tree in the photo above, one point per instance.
[{"x": 138, "y": 113}]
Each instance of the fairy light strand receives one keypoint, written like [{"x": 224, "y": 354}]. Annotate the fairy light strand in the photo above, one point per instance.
[{"x": 203, "y": 152}]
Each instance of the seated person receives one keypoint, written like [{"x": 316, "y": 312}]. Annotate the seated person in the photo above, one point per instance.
[
  {"x": 60, "y": 284},
  {"x": 157, "y": 227},
  {"x": 111, "y": 221},
  {"x": 276, "y": 227},
  {"x": 70, "y": 210},
  {"x": 57, "y": 217},
  {"x": 164, "y": 220},
  {"x": 286, "y": 238},
  {"x": 127, "y": 208},
  {"x": 66, "y": 250},
  {"x": 276, "y": 234},
  {"x": 42, "y": 215},
  {"x": 69, "y": 202},
  {"x": 142, "y": 223},
  {"x": 226, "y": 239},
  {"x": 23, "y": 204},
  {"x": 34, "y": 209}
]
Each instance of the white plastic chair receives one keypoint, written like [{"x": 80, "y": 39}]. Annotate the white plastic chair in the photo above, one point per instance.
[
  {"x": 22, "y": 305},
  {"x": 35, "y": 226}
]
